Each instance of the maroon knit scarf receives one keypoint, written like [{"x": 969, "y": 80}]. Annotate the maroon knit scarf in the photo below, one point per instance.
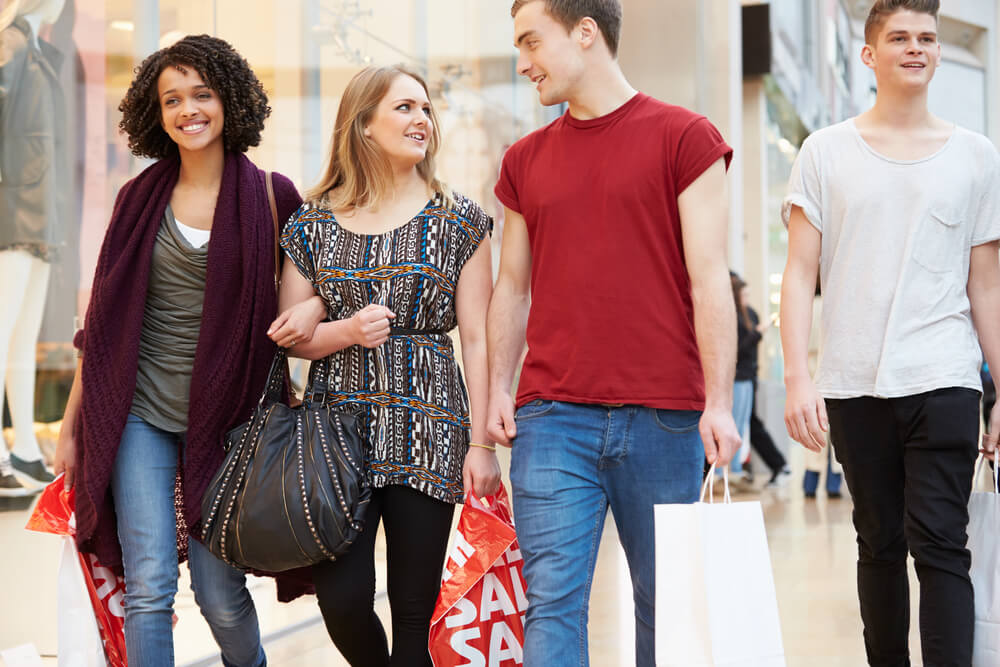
[{"x": 233, "y": 353}]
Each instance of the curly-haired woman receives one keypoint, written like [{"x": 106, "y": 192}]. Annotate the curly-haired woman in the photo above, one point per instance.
[
  {"x": 399, "y": 260},
  {"x": 175, "y": 348}
]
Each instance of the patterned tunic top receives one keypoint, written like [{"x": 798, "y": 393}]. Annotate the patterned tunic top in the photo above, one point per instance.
[{"x": 409, "y": 391}]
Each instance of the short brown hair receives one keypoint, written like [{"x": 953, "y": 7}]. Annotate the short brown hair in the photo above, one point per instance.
[
  {"x": 883, "y": 9},
  {"x": 606, "y": 13}
]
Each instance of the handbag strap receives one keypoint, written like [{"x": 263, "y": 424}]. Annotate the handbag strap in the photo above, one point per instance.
[
  {"x": 319, "y": 385},
  {"x": 275, "y": 381},
  {"x": 275, "y": 378},
  {"x": 274, "y": 217}
]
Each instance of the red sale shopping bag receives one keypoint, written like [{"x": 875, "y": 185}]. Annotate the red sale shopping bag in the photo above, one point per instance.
[
  {"x": 479, "y": 618},
  {"x": 81, "y": 577}
]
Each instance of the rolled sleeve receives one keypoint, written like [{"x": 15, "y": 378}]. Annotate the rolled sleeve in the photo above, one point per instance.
[{"x": 804, "y": 190}]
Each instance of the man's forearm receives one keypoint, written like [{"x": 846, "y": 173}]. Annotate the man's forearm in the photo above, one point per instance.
[
  {"x": 715, "y": 330},
  {"x": 796, "y": 321},
  {"x": 506, "y": 324},
  {"x": 984, "y": 302}
]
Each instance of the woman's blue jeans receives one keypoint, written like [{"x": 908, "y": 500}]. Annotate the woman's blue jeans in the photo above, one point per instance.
[
  {"x": 569, "y": 464},
  {"x": 742, "y": 409},
  {"x": 142, "y": 483}
]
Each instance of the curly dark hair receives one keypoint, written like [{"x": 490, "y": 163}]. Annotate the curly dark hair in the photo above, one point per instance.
[{"x": 222, "y": 69}]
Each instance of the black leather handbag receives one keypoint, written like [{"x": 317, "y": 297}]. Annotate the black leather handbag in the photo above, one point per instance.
[{"x": 291, "y": 491}]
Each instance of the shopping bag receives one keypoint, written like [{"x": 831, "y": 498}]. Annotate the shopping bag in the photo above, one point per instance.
[
  {"x": 479, "y": 617},
  {"x": 984, "y": 544},
  {"x": 705, "y": 616},
  {"x": 91, "y": 597},
  {"x": 79, "y": 638}
]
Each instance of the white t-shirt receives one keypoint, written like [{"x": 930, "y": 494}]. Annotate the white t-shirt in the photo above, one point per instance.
[{"x": 894, "y": 259}]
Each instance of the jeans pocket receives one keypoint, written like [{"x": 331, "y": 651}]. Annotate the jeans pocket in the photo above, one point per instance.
[
  {"x": 677, "y": 421},
  {"x": 536, "y": 408}
]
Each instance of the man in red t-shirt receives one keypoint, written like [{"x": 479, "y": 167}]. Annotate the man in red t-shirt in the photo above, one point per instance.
[{"x": 614, "y": 271}]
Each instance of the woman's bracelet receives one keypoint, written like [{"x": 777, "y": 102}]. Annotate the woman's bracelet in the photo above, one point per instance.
[{"x": 492, "y": 448}]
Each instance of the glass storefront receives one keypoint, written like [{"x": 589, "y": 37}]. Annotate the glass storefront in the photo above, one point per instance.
[{"x": 304, "y": 53}]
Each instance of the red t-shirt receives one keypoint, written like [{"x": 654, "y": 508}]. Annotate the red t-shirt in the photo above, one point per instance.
[{"x": 611, "y": 319}]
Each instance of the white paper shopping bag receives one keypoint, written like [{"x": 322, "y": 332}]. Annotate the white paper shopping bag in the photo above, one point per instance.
[
  {"x": 705, "y": 617},
  {"x": 984, "y": 544},
  {"x": 80, "y": 642}
]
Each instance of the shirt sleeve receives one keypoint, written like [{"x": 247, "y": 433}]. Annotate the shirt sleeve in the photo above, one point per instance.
[
  {"x": 987, "y": 224},
  {"x": 506, "y": 187},
  {"x": 699, "y": 147},
  {"x": 478, "y": 227},
  {"x": 299, "y": 240},
  {"x": 804, "y": 189}
]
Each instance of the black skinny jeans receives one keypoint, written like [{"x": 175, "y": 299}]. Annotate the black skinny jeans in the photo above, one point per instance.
[
  {"x": 416, "y": 533},
  {"x": 908, "y": 463}
]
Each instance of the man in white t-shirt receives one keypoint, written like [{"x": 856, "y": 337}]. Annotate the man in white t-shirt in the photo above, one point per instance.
[{"x": 899, "y": 213}]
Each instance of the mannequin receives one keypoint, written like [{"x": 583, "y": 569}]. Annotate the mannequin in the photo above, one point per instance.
[{"x": 31, "y": 197}]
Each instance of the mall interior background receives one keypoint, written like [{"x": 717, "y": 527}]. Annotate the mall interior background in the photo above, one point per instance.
[
  {"x": 766, "y": 83},
  {"x": 802, "y": 72}
]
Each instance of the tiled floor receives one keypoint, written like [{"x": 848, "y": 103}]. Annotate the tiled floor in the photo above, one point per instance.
[{"x": 812, "y": 552}]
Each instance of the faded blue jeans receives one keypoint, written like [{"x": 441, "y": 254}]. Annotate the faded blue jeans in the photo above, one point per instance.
[
  {"x": 142, "y": 483},
  {"x": 570, "y": 463},
  {"x": 742, "y": 409}
]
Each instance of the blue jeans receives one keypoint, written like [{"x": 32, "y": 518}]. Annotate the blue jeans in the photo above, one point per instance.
[
  {"x": 571, "y": 462},
  {"x": 142, "y": 484},
  {"x": 742, "y": 409}
]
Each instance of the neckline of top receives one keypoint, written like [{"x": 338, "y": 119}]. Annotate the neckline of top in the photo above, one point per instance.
[
  {"x": 430, "y": 203},
  {"x": 614, "y": 114},
  {"x": 886, "y": 158}
]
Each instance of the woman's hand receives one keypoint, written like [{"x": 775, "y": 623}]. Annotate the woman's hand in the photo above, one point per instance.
[
  {"x": 298, "y": 323},
  {"x": 65, "y": 460},
  {"x": 370, "y": 325},
  {"x": 481, "y": 472}
]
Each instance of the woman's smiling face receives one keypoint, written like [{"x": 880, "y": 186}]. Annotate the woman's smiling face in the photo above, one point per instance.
[{"x": 191, "y": 113}]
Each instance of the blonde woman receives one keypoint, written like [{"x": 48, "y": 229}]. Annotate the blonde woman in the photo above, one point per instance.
[{"x": 399, "y": 261}]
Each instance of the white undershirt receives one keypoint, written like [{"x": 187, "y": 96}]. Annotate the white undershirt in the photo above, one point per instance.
[{"x": 196, "y": 237}]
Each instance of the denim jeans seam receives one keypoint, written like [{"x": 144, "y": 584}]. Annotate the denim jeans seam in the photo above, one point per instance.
[
  {"x": 591, "y": 564},
  {"x": 627, "y": 435},
  {"x": 608, "y": 428}
]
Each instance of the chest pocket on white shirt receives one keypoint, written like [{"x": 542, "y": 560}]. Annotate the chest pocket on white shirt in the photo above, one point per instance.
[{"x": 938, "y": 244}]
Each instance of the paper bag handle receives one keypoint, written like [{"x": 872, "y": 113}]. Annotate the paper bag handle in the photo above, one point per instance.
[
  {"x": 996, "y": 474},
  {"x": 709, "y": 483}
]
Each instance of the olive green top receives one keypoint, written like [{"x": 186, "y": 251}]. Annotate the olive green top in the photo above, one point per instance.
[{"x": 170, "y": 326}]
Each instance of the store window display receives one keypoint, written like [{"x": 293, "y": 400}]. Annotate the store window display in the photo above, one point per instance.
[{"x": 32, "y": 212}]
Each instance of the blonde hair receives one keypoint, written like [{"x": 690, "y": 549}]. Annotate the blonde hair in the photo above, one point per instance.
[{"x": 358, "y": 173}]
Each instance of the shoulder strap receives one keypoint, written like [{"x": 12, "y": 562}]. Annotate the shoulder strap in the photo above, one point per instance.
[{"x": 274, "y": 218}]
